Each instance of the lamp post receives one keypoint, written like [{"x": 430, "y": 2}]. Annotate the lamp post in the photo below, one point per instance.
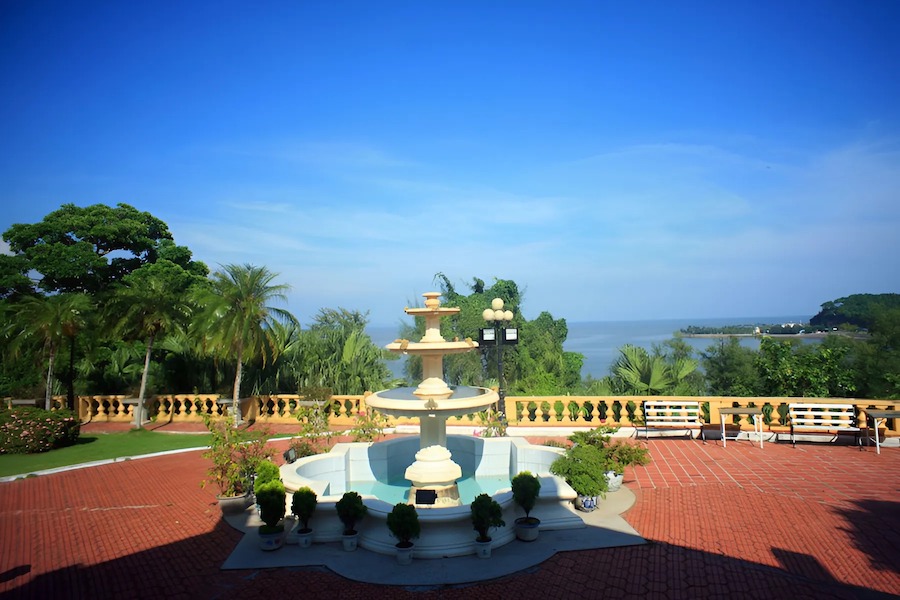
[{"x": 500, "y": 334}]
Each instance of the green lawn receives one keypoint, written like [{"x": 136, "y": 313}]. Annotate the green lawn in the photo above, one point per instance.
[{"x": 99, "y": 447}]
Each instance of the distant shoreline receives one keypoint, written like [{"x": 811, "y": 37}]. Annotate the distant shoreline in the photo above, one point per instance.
[{"x": 806, "y": 336}]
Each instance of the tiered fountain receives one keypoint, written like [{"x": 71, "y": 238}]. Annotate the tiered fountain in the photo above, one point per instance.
[{"x": 438, "y": 473}]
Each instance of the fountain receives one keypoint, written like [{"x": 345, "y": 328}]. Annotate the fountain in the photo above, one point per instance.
[{"x": 439, "y": 474}]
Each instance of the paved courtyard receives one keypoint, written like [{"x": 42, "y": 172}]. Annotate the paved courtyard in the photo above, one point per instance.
[{"x": 816, "y": 521}]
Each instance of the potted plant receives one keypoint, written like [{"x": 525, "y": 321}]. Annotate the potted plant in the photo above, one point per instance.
[
  {"x": 486, "y": 513},
  {"x": 235, "y": 457},
  {"x": 271, "y": 499},
  {"x": 350, "y": 509},
  {"x": 526, "y": 488},
  {"x": 621, "y": 455},
  {"x": 403, "y": 521},
  {"x": 303, "y": 505},
  {"x": 584, "y": 468}
]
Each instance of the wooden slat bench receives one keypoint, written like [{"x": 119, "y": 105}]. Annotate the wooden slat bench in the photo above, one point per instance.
[
  {"x": 666, "y": 415},
  {"x": 824, "y": 418}
]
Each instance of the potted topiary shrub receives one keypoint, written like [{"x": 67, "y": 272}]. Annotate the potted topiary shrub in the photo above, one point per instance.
[
  {"x": 486, "y": 513},
  {"x": 621, "y": 455},
  {"x": 403, "y": 521},
  {"x": 350, "y": 509},
  {"x": 271, "y": 499},
  {"x": 303, "y": 505},
  {"x": 526, "y": 488},
  {"x": 584, "y": 468},
  {"x": 266, "y": 471}
]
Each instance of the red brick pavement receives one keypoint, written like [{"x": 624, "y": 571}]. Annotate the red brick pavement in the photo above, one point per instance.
[{"x": 818, "y": 521}]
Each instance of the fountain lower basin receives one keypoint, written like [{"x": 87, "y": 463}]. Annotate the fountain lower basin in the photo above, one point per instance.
[{"x": 446, "y": 531}]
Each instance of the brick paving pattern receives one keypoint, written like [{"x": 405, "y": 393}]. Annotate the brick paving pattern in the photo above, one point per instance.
[{"x": 818, "y": 521}]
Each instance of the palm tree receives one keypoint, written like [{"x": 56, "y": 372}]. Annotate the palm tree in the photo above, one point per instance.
[
  {"x": 238, "y": 320},
  {"x": 148, "y": 304},
  {"x": 641, "y": 373},
  {"x": 50, "y": 320}
]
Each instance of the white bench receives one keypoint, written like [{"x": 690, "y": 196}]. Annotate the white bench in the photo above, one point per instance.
[
  {"x": 671, "y": 414},
  {"x": 826, "y": 418}
]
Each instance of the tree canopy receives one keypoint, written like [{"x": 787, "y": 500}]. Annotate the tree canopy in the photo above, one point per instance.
[
  {"x": 87, "y": 249},
  {"x": 861, "y": 310}
]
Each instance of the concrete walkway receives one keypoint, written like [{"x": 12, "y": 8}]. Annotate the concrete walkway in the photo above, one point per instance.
[{"x": 818, "y": 521}]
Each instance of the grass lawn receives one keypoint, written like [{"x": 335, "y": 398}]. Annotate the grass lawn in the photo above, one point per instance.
[{"x": 99, "y": 446}]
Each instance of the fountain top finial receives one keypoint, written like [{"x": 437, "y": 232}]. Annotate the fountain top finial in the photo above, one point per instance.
[{"x": 432, "y": 299}]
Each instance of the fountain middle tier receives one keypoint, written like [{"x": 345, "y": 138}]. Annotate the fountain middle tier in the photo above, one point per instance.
[{"x": 404, "y": 402}]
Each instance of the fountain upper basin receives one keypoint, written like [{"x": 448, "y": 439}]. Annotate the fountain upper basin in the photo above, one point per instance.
[{"x": 403, "y": 402}]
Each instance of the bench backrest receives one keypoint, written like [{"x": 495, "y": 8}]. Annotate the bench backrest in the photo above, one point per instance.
[
  {"x": 822, "y": 416},
  {"x": 674, "y": 414}
]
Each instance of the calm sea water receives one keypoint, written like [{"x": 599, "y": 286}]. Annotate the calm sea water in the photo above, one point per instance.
[{"x": 599, "y": 341}]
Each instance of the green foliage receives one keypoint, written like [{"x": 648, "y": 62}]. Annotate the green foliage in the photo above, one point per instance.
[
  {"x": 303, "y": 505},
  {"x": 271, "y": 497},
  {"x": 486, "y": 513},
  {"x": 87, "y": 249},
  {"x": 266, "y": 471},
  {"x": 337, "y": 353},
  {"x": 859, "y": 310},
  {"x": 237, "y": 320},
  {"x": 368, "y": 426},
  {"x": 584, "y": 468},
  {"x": 493, "y": 422},
  {"x": 403, "y": 522},
  {"x": 731, "y": 369},
  {"x": 235, "y": 456},
  {"x": 350, "y": 510},
  {"x": 314, "y": 419},
  {"x": 525, "y": 489},
  {"x": 804, "y": 370},
  {"x": 28, "y": 430}
]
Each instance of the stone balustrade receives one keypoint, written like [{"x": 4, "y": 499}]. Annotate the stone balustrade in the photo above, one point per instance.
[{"x": 521, "y": 411}]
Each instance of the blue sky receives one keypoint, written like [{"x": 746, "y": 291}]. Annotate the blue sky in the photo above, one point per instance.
[{"x": 618, "y": 160}]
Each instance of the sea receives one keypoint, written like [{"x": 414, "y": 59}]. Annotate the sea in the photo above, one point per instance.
[{"x": 599, "y": 341}]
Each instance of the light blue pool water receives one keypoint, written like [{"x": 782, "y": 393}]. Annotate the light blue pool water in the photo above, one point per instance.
[{"x": 397, "y": 491}]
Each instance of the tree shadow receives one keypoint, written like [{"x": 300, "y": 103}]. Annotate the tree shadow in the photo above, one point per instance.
[{"x": 874, "y": 526}]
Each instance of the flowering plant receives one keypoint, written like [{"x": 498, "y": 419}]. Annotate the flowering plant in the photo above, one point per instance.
[
  {"x": 27, "y": 430},
  {"x": 235, "y": 456}
]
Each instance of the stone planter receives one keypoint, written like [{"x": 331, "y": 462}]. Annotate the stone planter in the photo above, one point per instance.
[
  {"x": 234, "y": 505},
  {"x": 527, "y": 528},
  {"x": 404, "y": 554},
  {"x": 483, "y": 549},
  {"x": 350, "y": 541},
  {"x": 586, "y": 503},
  {"x": 614, "y": 481},
  {"x": 271, "y": 541}
]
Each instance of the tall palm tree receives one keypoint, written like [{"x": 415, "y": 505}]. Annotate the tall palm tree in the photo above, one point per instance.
[
  {"x": 150, "y": 303},
  {"x": 51, "y": 320},
  {"x": 238, "y": 320}
]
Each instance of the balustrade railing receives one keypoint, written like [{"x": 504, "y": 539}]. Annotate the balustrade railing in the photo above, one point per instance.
[{"x": 521, "y": 411}]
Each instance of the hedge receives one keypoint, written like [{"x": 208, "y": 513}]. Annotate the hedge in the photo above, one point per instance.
[{"x": 27, "y": 430}]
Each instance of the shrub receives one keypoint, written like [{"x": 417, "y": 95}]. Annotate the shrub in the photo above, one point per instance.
[
  {"x": 266, "y": 471},
  {"x": 28, "y": 430},
  {"x": 271, "y": 499}
]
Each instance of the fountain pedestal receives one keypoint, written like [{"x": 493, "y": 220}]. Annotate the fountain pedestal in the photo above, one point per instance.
[{"x": 434, "y": 471}]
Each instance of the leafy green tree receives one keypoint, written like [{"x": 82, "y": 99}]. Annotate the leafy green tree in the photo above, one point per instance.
[
  {"x": 14, "y": 280},
  {"x": 801, "y": 370},
  {"x": 337, "y": 353},
  {"x": 730, "y": 369},
  {"x": 237, "y": 318},
  {"x": 87, "y": 249},
  {"x": 150, "y": 302},
  {"x": 639, "y": 373},
  {"x": 50, "y": 321},
  {"x": 860, "y": 310}
]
